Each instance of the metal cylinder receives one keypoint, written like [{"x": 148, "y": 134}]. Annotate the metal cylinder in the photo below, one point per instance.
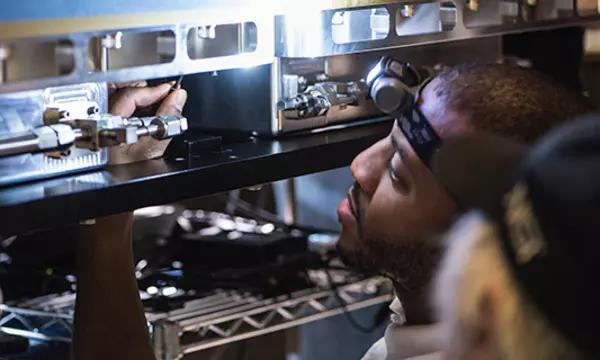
[
  {"x": 408, "y": 11},
  {"x": 19, "y": 144},
  {"x": 473, "y": 5},
  {"x": 388, "y": 94},
  {"x": 149, "y": 130},
  {"x": 107, "y": 43},
  {"x": 3, "y": 71},
  {"x": 4, "y": 54}
]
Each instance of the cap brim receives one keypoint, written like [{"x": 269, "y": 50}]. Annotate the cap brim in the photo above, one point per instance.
[{"x": 478, "y": 169}]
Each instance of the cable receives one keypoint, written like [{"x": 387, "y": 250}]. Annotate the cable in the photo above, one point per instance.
[
  {"x": 257, "y": 213},
  {"x": 235, "y": 203},
  {"x": 362, "y": 328},
  {"x": 242, "y": 350},
  {"x": 231, "y": 204}
]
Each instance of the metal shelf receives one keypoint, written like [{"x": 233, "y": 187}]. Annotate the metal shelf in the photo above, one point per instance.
[
  {"x": 220, "y": 318},
  {"x": 69, "y": 199},
  {"x": 36, "y": 324},
  {"x": 196, "y": 331}
]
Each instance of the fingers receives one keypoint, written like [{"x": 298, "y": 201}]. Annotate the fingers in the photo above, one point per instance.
[
  {"x": 125, "y": 101},
  {"x": 133, "y": 84},
  {"x": 146, "y": 148},
  {"x": 173, "y": 104},
  {"x": 113, "y": 87}
]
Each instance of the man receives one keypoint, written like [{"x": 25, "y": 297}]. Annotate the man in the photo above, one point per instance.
[
  {"x": 396, "y": 208},
  {"x": 109, "y": 318},
  {"x": 518, "y": 281}
]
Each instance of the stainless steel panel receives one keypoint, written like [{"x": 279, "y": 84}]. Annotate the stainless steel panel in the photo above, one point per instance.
[
  {"x": 21, "y": 112},
  {"x": 142, "y": 54},
  {"x": 309, "y": 32}
]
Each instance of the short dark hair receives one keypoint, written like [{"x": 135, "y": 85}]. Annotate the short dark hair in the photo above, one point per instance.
[{"x": 508, "y": 100}]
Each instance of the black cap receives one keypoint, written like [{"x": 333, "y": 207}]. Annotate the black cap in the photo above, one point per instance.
[{"x": 546, "y": 201}]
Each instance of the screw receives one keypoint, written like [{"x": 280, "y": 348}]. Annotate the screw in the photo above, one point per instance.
[
  {"x": 408, "y": 11},
  {"x": 473, "y": 5},
  {"x": 92, "y": 110},
  {"x": 207, "y": 32},
  {"x": 4, "y": 55},
  {"x": 113, "y": 41}
]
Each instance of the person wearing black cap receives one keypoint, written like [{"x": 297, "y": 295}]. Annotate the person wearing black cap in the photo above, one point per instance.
[
  {"x": 518, "y": 280},
  {"x": 396, "y": 211}
]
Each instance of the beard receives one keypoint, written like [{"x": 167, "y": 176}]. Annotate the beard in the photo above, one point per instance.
[{"x": 410, "y": 263}]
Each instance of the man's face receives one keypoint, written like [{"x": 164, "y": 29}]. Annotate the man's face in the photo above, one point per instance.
[{"x": 396, "y": 204}]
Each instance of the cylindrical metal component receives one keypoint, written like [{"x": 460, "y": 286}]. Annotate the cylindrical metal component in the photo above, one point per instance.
[
  {"x": 78, "y": 134},
  {"x": 65, "y": 57},
  {"x": 285, "y": 200},
  {"x": 168, "y": 126},
  {"x": 388, "y": 94},
  {"x": 104, "y": 59},
  {"x": 408, "y": 11},
  {"x": 42, "y": 138},
  {"x": 109, "y": 134},
  {"x": 19, "y": 144},
  {"x": 149, "y": 130},
  {"x": 510, "y": 11},
  {"x": 54, "y": 115},
  {"x": 473, "y": 5},
  {"x": 3, "y": 71},
  {"x": 4, "y": 54},
  {"x": 207, "y": 32},
  {"x": 108, "y": 42}
]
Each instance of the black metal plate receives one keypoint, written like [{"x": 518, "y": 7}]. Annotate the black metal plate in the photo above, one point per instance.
[{"x": 69, "y": 199}]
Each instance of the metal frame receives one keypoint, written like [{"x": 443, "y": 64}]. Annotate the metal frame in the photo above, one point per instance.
[
  {"x": 181, "y": 64},
  {"x": 280, "y": 33},
  {"x": 195, "y": 331},
  {"x": 224, "y": 317},
  {"x": 292, "y": 35},
  {"x": 36, "y": 324}
]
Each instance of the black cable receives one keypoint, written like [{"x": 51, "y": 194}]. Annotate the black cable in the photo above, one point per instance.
[
  {"x": 242, "y": 350},
  {"x": 257, "y": 213},
  {"x": 362, "y": 328}
]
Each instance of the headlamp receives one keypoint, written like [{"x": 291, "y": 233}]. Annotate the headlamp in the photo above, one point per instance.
[{"x": 395, "y": 87}]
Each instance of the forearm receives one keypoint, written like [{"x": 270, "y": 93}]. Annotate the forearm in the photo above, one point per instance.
[{"x": 109, "y": 318}]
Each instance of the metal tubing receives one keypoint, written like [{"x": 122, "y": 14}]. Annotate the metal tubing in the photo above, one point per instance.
[
  {"x": 149, "y": 130},
  {"x": 26, "y": 143}
]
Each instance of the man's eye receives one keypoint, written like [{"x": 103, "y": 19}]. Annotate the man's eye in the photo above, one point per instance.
[{"x": 394, "y": 172}]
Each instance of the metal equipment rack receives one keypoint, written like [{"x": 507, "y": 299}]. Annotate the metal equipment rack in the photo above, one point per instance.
[{"x": 220, "y": 318}]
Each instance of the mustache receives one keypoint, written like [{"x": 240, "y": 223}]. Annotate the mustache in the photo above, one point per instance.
[{"x": 354, "y": 198}]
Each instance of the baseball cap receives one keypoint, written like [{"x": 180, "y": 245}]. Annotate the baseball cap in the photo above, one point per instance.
[{"x": 545, "y": 200}]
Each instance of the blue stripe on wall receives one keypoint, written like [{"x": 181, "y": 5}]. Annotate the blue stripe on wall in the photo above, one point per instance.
[{"x": 21, "y": 10}]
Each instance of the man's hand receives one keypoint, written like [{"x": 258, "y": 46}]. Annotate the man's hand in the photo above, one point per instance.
[
  {"x": 125, "y": 100},
  {"x": 109, "y": 317}
]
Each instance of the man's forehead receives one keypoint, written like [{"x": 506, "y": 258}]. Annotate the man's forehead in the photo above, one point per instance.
[
  {"x": 397, "y": 134},
  {"x": 446, "y": 121}
]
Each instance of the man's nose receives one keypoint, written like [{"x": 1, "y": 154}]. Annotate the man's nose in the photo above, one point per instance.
[{"x": 370, "y": 165}]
